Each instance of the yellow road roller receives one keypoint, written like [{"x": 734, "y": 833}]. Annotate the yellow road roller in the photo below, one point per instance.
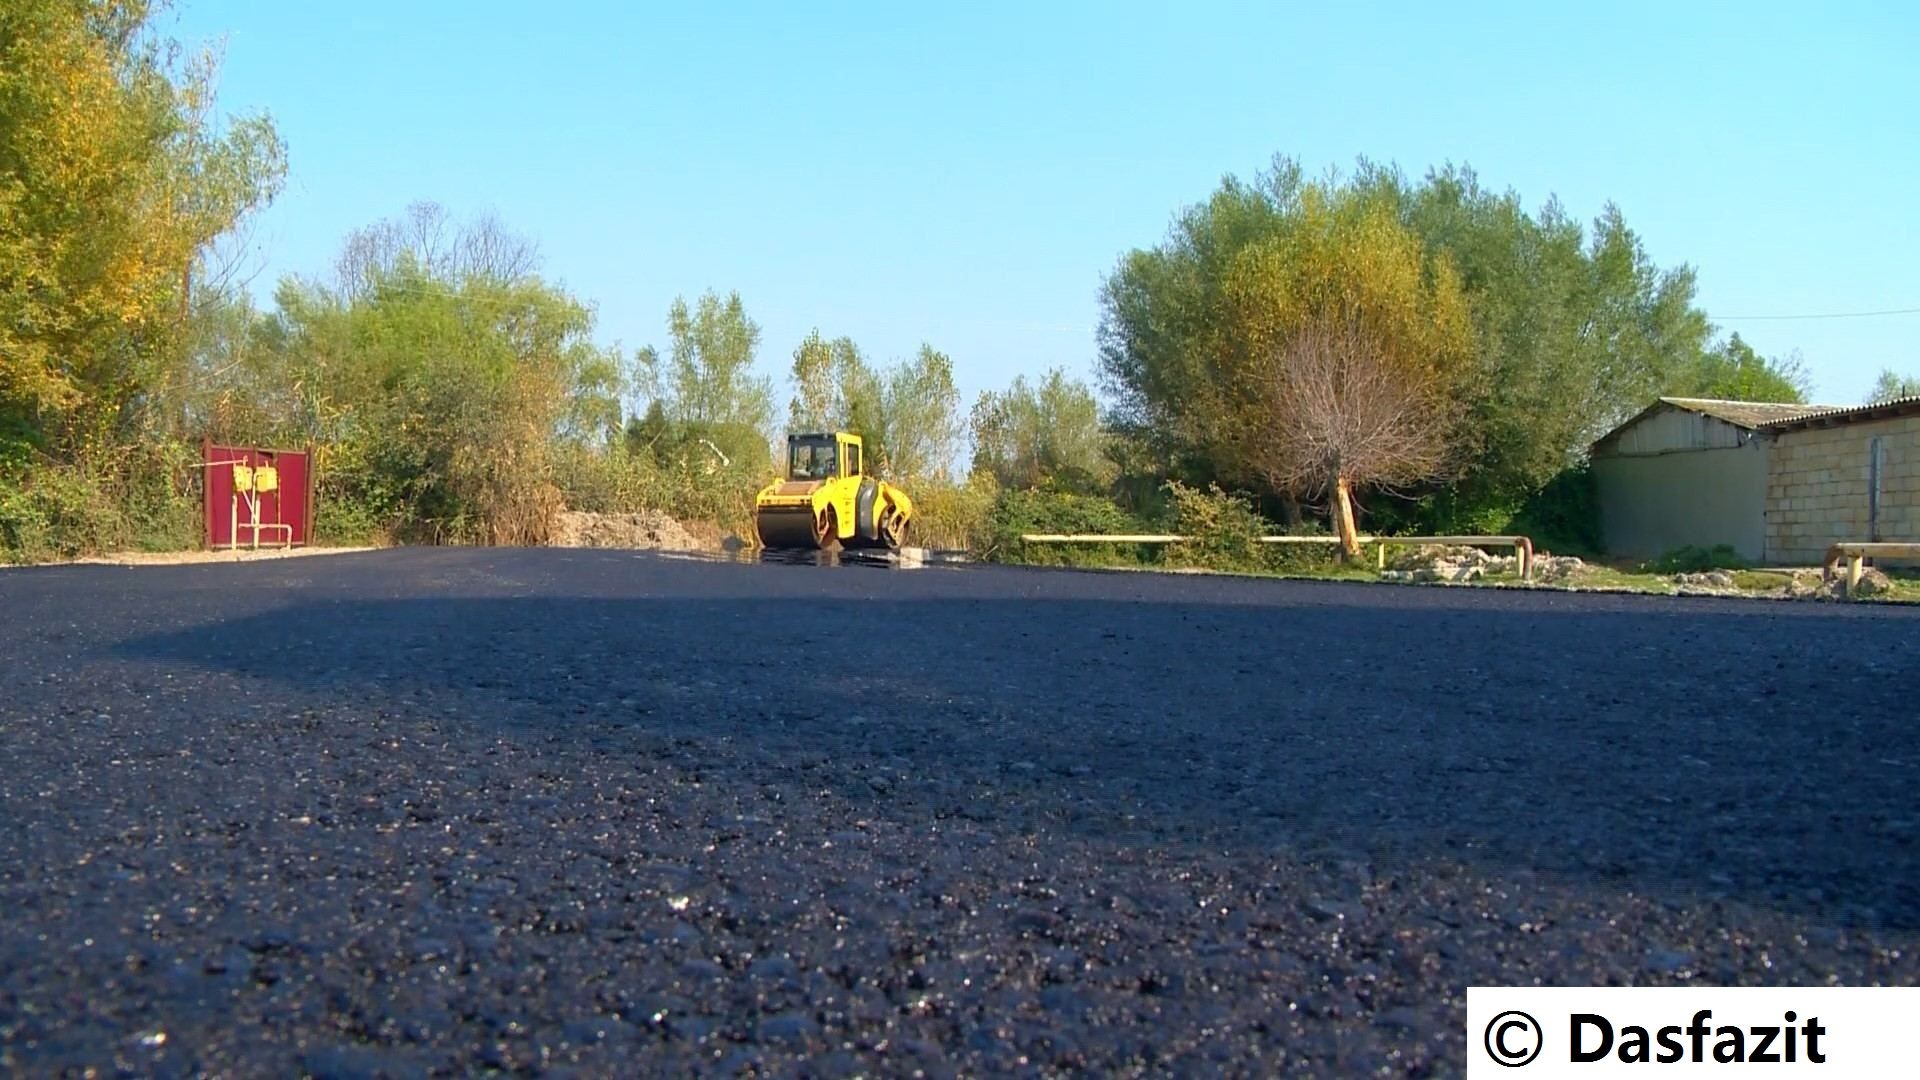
[{"x": 829, "y": 501}]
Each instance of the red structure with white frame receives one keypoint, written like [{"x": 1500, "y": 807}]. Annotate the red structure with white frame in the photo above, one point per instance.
[{"x": 285, "y": 510}]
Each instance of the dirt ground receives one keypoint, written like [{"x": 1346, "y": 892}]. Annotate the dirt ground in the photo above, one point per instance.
[{"x": 181, "y": 558}]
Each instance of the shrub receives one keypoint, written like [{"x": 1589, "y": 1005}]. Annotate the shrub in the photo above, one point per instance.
[
  {"x": 1694, "y": 560},
  {"x": 953, "y": 516},
  {"x": 1303, "y": 558},
  {"x": 691, "y": 489},
  {"x": 1224, "y": 530},
  {"x": 1563, "y": 516},
  {"x": 139, "y": 497},
  {"x": 1039, "y": 510}
]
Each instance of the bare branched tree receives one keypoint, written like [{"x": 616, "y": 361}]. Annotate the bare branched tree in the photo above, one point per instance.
[
  {"x": 1332, "y": 411},
  {"x": 438, "y": 248},
  {"x": 487, "y": 248}
]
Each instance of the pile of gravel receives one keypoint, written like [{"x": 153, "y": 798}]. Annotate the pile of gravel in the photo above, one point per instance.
[
  {"x": 1441, "y": 563},
  {"x": 647, "y": 529}
]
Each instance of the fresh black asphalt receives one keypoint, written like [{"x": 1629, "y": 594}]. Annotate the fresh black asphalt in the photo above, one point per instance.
[{"x": 439, "y": 812}]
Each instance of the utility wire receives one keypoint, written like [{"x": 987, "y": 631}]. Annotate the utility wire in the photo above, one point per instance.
[{"x": 1824, "y": 315}]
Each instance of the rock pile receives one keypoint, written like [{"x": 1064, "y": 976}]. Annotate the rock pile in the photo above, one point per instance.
[
  {"x": 649, "y": 529},
  {"x": 1458, "y": 565},
  {"x": 1462, "y": 564},
  {"x": 1810, "y": 585},
  {"x": 1449, "y": 564},
  {"x": 1557, "y": 568},
  {"x": 1712, "y": 579},
  {"x": 1872, "y": 583}
]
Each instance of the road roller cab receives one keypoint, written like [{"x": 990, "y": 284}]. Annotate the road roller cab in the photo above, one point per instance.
[{"x": 828, "y": 499}]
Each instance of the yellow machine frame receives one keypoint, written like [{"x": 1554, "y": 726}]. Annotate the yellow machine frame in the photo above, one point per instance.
[{"x": 848, "y": 508}]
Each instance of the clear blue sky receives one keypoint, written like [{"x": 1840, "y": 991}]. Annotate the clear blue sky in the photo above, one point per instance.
[{"x": 965, "y": 174}]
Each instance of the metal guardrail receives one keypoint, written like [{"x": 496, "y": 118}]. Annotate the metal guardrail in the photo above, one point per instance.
[
  {"x": 1523, "y": 546},
  {"x": 1100, "y": 538},
  {"x": 1857, "y": 552}
]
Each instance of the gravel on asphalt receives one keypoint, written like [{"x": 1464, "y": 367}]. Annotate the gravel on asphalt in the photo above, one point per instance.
[{"x": 432, "y": 812}]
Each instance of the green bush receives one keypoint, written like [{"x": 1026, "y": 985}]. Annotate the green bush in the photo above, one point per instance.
[
  {"x": 357, "y": 500},
  {"x": 137, "y": 499},
  {"x": 1039, "y": 510},
  {"x": 1303, "y": 558},
  {"x": 693, "y": 489},
  {"x": 1694, "y": 560},
  {"x": 1563, "y": 516},
  {"x": 345, "y": 523},
  {"x": 953, "y": 516},
  {"x": 1224, "y": 530}
]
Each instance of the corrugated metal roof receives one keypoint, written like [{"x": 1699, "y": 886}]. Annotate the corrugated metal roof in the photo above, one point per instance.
[
  {"x": 1747, "y": 414},
  {"x": 1772, "y": 416},
  {"x": 1827, "y": 415}
]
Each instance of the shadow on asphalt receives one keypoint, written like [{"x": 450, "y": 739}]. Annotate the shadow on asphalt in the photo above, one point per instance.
[{"x": 1682, "y": 755}]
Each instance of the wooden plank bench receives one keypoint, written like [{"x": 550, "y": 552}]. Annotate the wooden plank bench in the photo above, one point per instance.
[{"x": 1857, "y": 552}]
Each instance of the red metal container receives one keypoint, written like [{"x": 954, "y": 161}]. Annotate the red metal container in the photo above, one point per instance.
[{"x": 285, "y": 513}]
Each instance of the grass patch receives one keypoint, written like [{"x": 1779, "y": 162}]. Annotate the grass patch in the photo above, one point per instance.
[
  {"x": 1597, "y": 577},
  {"x": 1695, "y": 560},
  {"x": 1904, "y": 589},
  {"x": 1761, "y": 580}
]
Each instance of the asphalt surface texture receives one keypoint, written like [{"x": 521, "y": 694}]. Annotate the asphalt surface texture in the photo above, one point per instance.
[{"x": 446, "y": 812}]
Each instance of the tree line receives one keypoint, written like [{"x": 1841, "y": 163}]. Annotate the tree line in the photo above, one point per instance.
[
  {"x": 1432, "y": 344},
  {"x": 454, "y": 394},
  {"x": 1351, "y": 349}
]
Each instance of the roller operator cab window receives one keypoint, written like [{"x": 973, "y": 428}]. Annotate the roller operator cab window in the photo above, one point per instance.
[{"x": 812, "y": 460}]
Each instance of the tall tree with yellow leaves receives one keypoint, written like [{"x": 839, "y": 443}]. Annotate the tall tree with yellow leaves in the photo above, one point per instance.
[
  {"x": 114, "y": 180},
  {"x": 1344, "y": 359}
]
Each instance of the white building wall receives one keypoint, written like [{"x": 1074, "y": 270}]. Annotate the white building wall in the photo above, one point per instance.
[
  {"x": 1651, "y": 503},
  {"x": 1676, "y": 429}
]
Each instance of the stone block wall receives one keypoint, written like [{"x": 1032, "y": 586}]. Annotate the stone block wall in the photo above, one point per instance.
[{"x": 1817, "y": 487}]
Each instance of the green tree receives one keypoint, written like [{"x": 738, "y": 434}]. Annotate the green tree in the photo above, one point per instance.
[
  {"x": 1347, "y": 358},
  {"x": 1890, "y": 386},
  {"x": 830, "y": 379},
  {"x": 706, "y": 384},
  {"x": 438, "y": 396},
  {"x": 1164, "y": 308},
  {"x": 1039, "y": 433},
  {"x": 1573, "y": 329},
  {"x": 114, "y": 180},
  {"x": 650, "y": 435},
  {"x": 920, "y": 416},
  {"x": 1732, "y": 371},
  {"x": 907, "y": 414},
  {"x": 1576, "y": 329}
]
